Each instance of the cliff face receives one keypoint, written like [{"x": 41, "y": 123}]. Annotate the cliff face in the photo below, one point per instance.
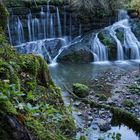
[{"x": 31, "y": 105}]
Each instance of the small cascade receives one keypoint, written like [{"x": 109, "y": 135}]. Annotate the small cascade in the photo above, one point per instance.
[
  {"x": 59, "y": 23},
  {"x": 70, "y": 27},
  {"x": 35, "y": 29},
  {"x": 130, "y": 41},
  {"x": 48, "y": 18},
  {"x": 65, "y": 21},
  {"x": 120, "y": 52},
  {"x": 29, "y": 26},
  {"x": 122, "y": 14},
  {"x": 42, "y": 14},
  {"x": 20, "y": 32},
  {"x": 99, "y": 50},
  {"x": 9, "y": 33},
  {"x": 52, "y": 32}
]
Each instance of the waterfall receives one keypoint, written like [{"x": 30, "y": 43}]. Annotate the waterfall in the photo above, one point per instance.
[
  {"x": 70, "y": 27},
  {"x": 120, "y": 52},
  {"x": 29, "y": 26},
  {"x": 52, "y": 32},
  {"x": 59, "y": 23},
  {"x": 99, "y": 50},
  {"x": 20, "y": 32},
  {"x": 130, "y": 41},
  {"x": 42, "y": 13},
  {"x": 65, "y": 21},
  {"x": 9, "y": 33},
  {"x": 122, "y": 14},
  {"x": 35, "y": 29},
  {"x": 47, "y": 20}
]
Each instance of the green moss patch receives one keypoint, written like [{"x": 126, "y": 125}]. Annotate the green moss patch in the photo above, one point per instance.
[{"x": 80, "y": 90}]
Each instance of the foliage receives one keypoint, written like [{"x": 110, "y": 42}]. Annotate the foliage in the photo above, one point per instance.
[
  {"x": 3, "y": 15},
  {"x": 97, "y": 5},
  {"x": 133, "y": 4}
]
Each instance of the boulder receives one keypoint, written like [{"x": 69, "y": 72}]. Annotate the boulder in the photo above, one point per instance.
[
  {"x": 80, "y": 90},
  {"x": 78, "y": 52},
  {"x": 78, "y": 56},
  {"x": 133, "y": 13}
]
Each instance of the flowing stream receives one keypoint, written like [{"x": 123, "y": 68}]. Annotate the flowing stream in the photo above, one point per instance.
[{"x": 77, "y": 73}]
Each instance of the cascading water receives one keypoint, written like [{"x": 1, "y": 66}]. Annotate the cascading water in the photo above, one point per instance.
[
  {"x": 20, "y": 32},
  {"x": 52, "y": 32},
  {"x": 42, "y": 13},
  {"x": 120, "y": 53},
  {"x": 99, "y": 50},
  {"x": 65, "y": 21},
  {"x": 122, "y": 14},
  {"x": 9, "y": 33},
  {"x": 48, "y": 27},
  {"x": 59, "y": 23},
  {"x": 130, "y": 41},
  {"x": 38, "y": 27},
  {"x": 29, "y": 26},
  {"x": 35, "y": 29}
]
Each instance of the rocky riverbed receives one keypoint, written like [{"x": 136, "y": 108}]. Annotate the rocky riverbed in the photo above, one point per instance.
[{"x": 119, "y": 91}]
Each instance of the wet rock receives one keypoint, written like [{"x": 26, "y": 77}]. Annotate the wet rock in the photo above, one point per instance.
[
  {"x": 94, "y": 126},
  {"x": 76, "y": 104},
  {"x": 53, "y": 46},
  {"x": 20, "y": 10},
  {"x": 104, "y": 126},
  {"x": 79, "y": 114},
  {"x": 90, "y": 118},
  {"x": 133, "y": 13},
  {"x": 75, "y": 56}
]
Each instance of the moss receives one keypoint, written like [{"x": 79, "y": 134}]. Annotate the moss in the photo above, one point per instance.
[
  {"x": 8, "y": 72},
  {"x": 134, "y": 89},
  {"x": 34, "y": 87},
  {"x": 43, "y": 73},
  {"x": 123, "y": 116},
  {"x": 80, "y": 90},
  {"x": 120, "y": 35},
  {"x": 128, "y": 103},
  {"x": 82, "y": 137},
  {"x": 6, "y": 107},
  {"x": 101, "y": 97},
  {"x": 3, "y": 15}
]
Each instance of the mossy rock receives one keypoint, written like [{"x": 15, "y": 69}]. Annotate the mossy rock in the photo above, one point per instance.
[
  {"x": 80, "y": 90},
  {"x": 128, "y": 103},
  {"x": 101, "y": 97},
  {"x": 82, "y": 137}
]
